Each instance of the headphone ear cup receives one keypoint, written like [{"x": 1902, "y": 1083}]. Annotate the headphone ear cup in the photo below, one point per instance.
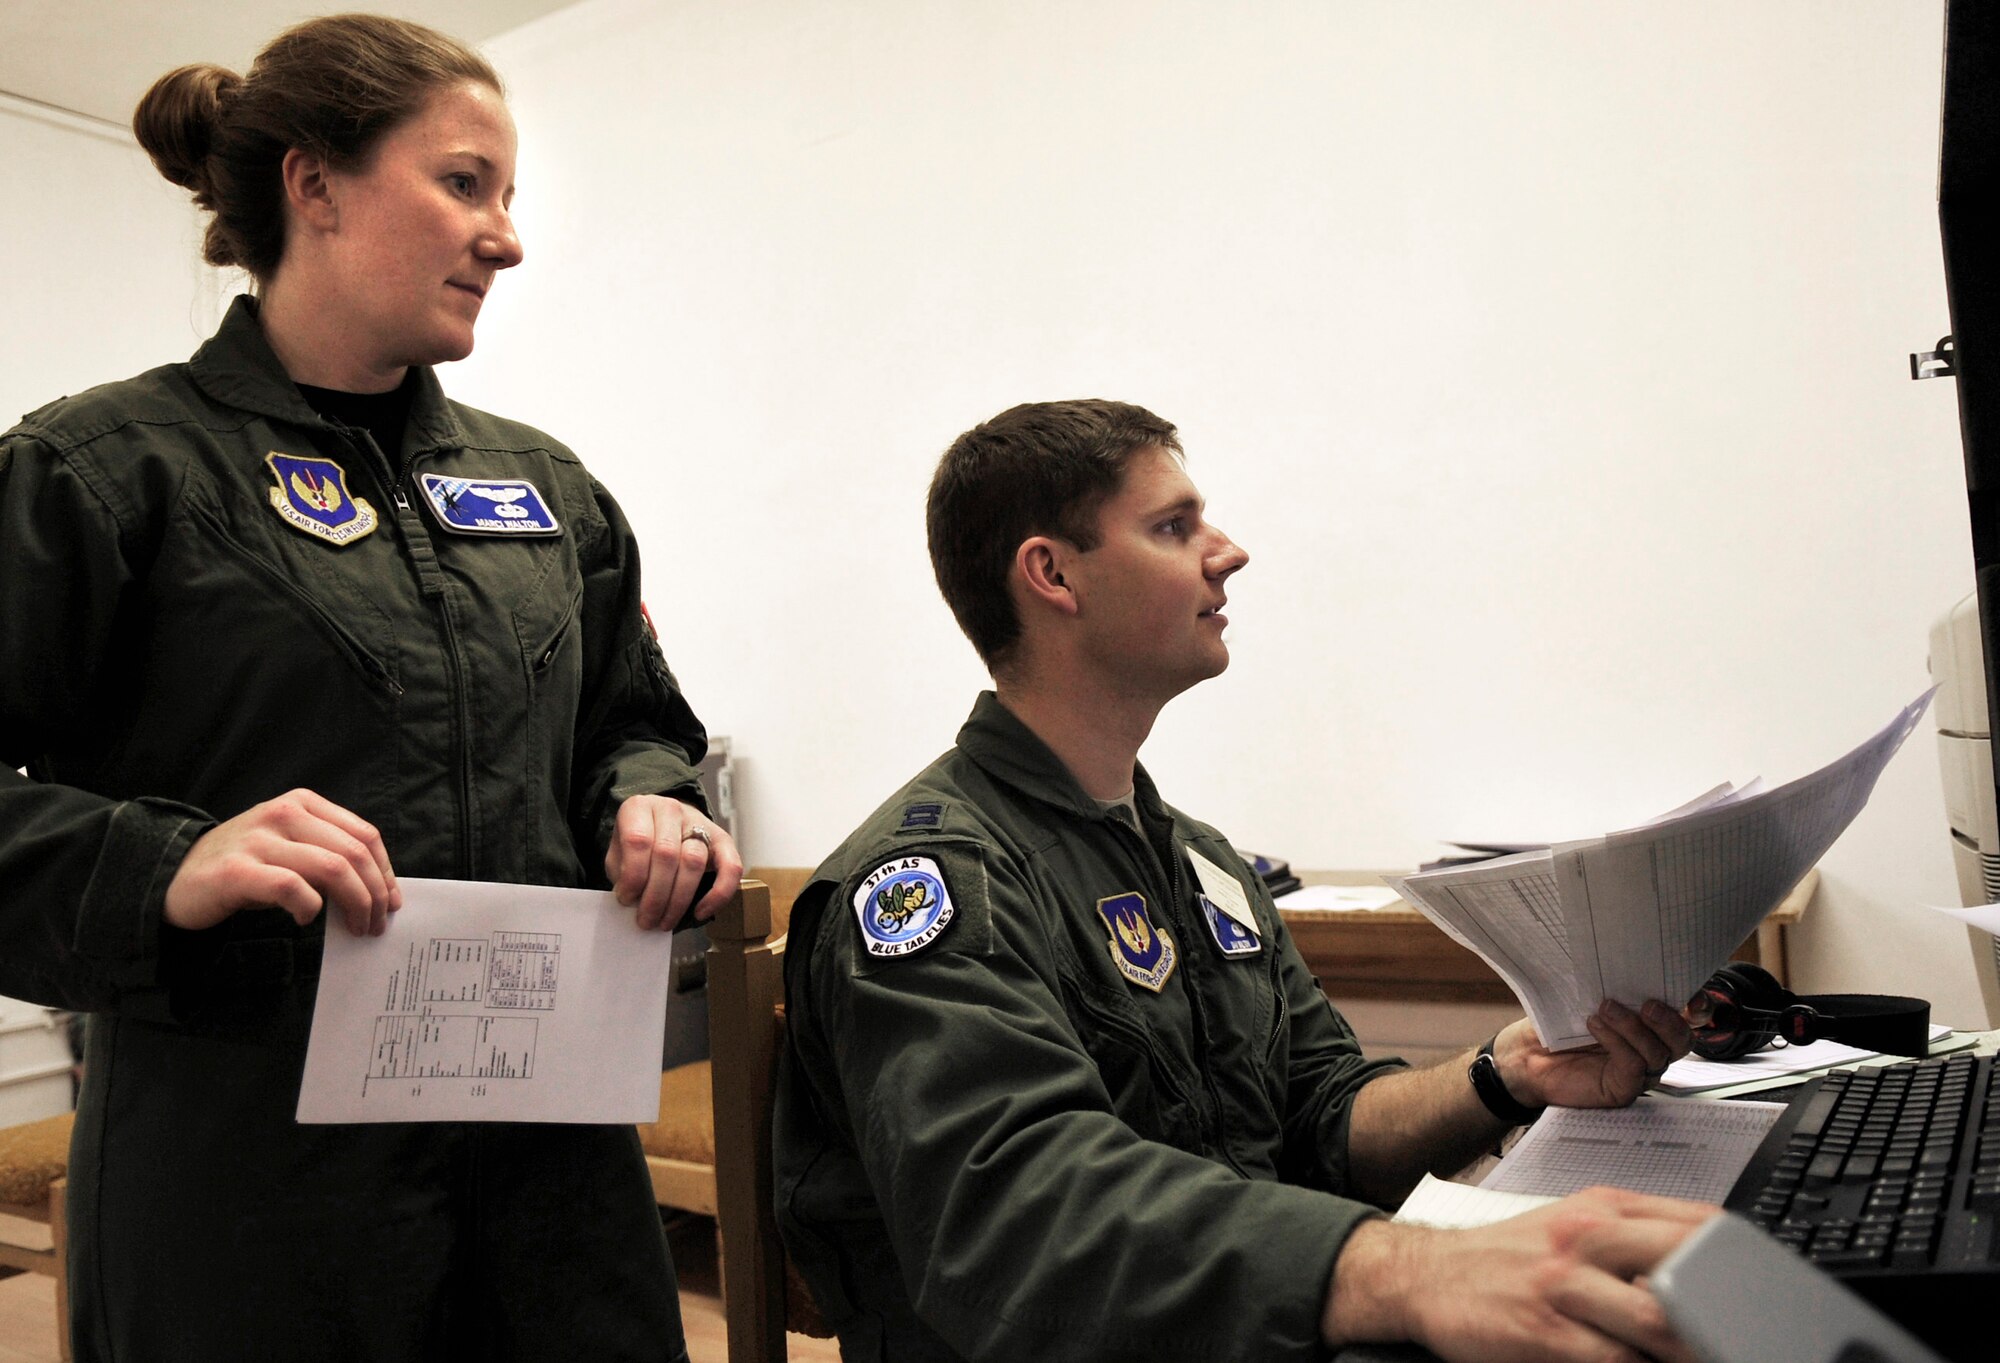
[
  {"x": 1751, "y": 997},
  {"x": 1755, "y": 987}
]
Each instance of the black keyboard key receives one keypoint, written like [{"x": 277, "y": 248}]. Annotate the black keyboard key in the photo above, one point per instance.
[
  {"x": 1846, "y": 1258},
  {"x": 1819, "y": 1109}
]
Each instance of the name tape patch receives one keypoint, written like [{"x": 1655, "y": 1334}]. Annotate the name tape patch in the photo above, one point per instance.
[
  {"x": 1230, "y": 935},
  {"x": 488, "y": 506}
]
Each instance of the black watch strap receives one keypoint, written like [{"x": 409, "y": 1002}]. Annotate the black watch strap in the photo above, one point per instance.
[{"x": 1492, "y": 1090}]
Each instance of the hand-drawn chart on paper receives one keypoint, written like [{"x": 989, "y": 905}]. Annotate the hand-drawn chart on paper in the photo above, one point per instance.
[{"x": 490, "y": 1002}]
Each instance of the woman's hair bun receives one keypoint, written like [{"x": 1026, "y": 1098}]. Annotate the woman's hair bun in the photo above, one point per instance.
[{"x": 176, "y": 120}]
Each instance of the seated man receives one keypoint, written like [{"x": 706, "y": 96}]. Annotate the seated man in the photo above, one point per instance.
[{"x": 1058, "y": 1084}]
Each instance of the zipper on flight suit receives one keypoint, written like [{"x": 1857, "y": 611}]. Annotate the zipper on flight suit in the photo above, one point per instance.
[
  {"x": 431, "y": 583},
  {"x": 1280, "y": 1014},
  {"x": 1196, "y": 1009},
  {"x": 547, "y": 653}
]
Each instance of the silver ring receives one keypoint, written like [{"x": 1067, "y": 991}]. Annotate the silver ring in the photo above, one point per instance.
[{"x": 699, "y": 834}]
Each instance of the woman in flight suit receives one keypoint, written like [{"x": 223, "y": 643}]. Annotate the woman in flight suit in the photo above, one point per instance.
[{"x": 277, "y": 624}]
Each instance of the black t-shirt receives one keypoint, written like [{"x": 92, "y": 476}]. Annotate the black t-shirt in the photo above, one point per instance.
[{"x": 382, "y": 415}]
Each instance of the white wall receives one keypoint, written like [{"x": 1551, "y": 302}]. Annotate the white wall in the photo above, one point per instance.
[
  {"x": 1548, "y": 358},
  {"x": 100, "y": 258}
]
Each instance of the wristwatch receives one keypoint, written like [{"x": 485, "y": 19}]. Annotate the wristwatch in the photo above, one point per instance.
[{"x": 1492, "y": 1090}]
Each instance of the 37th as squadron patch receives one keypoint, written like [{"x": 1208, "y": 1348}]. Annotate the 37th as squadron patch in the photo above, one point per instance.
[{"x": 903, "y": 906}]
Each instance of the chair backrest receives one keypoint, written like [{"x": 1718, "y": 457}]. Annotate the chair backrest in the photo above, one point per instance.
[{"x": 746, "y": 994}]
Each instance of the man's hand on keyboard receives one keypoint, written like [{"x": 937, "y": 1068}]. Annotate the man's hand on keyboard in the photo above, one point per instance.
[
  {"x": 1631, "y": 1052},
  {"x": 1563, "y": 1282}
]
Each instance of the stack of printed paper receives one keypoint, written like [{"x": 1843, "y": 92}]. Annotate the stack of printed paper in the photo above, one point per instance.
[{"x": 1649, "y": 913}]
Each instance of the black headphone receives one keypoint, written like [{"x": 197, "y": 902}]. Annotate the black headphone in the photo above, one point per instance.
[{"x": 1748, "y": 1009}]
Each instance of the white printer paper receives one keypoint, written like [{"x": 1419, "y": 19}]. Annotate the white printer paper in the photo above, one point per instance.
[
  {"x": 1985, "y": 917},
  {"x": 1650, "y": 912},
  {"x": 1672, "y": 1147},
  {"x": 1461, "y": 1206},
  {"x": 490, "y": 1003}
]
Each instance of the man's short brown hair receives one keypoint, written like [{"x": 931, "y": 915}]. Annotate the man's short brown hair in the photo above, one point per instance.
[{"x": 1043, "y": 468}]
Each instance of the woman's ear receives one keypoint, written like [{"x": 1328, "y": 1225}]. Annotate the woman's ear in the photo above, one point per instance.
[{"x": 309, "y": 195}]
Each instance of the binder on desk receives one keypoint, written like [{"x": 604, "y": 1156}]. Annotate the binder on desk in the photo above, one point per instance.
[{"x": 1276, "y": 875}]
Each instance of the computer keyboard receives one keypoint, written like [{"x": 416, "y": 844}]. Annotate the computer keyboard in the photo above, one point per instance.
[{"x": 1888, "y": 1177}]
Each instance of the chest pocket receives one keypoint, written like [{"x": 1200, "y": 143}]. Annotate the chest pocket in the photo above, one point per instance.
[
  {"x": 249, "y": 582},
  {"x": 547, "y": 627},
  {"x": 1149, "y": 1092},
  {"x": 531, "y": 580}
]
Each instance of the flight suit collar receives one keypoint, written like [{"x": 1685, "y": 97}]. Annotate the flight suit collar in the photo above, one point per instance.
[
  {"x": 1010, "y": 752},
  {"x": 237, "y": 366}
]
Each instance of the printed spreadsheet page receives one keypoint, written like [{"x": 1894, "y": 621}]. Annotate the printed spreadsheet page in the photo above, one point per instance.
[{"x": 487, "y": 1002}]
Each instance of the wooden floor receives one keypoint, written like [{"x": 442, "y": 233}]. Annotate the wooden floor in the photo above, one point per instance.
[{"x": 28, "y": 1308}]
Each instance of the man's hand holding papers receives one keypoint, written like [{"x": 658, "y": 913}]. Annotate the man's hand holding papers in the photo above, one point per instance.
[
  {"x": 1634, "y": 1048},
  {"x": 1649, "y": 913}
]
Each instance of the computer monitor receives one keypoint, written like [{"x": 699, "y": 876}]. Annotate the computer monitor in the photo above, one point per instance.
[{"x": 1963, "y": 648}]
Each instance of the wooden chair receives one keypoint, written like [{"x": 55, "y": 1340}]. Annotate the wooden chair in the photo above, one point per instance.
[
  {"x": 680, "y": 1147},
  {"x": 726, "y": 1170},
  {"x": 34, "y": 1168}
]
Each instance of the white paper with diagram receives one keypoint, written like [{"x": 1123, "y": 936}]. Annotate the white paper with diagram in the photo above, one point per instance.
[{"x": 488, "y": 1002}]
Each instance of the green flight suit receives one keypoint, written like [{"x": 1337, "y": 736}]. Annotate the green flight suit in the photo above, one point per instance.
[
  {"x": 176, "y": 646},
  {"x": 1003, "y": 1142}
]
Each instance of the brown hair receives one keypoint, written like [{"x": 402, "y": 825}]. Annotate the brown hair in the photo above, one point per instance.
[
  {"x": 1043, "y": 468},
  {"x": 330, "y": 86}
]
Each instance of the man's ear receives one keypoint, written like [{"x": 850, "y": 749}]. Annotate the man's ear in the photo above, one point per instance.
[
  {"x": 308, "y": 191},
  {"x": 1039, "y": 565}
]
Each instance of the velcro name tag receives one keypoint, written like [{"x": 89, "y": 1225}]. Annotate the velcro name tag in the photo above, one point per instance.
[{"x": 488, "y": 506}]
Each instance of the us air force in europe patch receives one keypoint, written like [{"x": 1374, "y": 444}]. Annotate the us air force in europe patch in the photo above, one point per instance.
[
  {"x": 903, "y": 906},
  {"x": 1140, "y": 948},
  {"x": 312, "y": 496}
]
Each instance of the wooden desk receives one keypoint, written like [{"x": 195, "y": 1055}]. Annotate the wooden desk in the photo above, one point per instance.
[{"x": 1398, "y": 955}]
